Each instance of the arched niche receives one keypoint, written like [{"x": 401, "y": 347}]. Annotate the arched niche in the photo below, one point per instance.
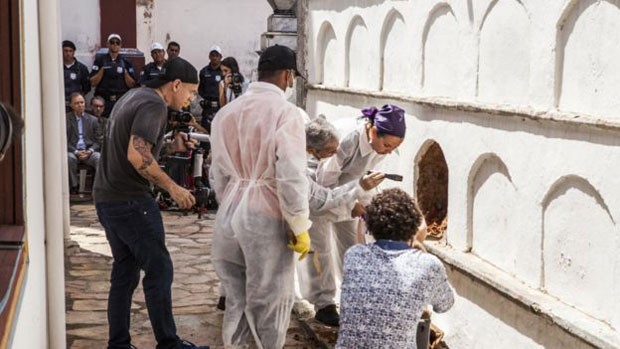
[
  {"x": 431, "y": 187},
  {"x": 441, "y": 56},
  {"x": 326, "y": 56},
  {"x": 393, "y": 36},
  {"x": 504, "y": 56},
  {"x": 358, "y": 65},
  {"x": 588, "y": 78},
  {"x": 580, "y": 248},
  {"x": 492, "y": 232}
]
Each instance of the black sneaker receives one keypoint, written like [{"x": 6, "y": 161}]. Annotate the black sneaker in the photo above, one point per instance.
[
  {"x": 328, "y": 316},
  {"x": 189, "y": 345},
  {"x": 221, "y": 304}
]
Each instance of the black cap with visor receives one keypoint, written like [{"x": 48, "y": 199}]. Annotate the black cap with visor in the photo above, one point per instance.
[
  {"x": 278, "y": 57},
  {"x": 176, "y": 68}
]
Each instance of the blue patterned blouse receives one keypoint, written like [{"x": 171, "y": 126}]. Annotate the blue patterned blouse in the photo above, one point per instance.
[{"x": 386, "y": 286}]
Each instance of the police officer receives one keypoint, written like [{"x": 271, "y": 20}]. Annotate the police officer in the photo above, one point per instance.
[
  {"x": 112, "y": 75},
  {"x": 75, "y": 73},
  {"x": 208, "y": 89},
  {"x": 153, "y": 69}
]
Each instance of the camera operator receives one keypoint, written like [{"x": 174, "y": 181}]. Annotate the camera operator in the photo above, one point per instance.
[
  {"x": 232, "y": 86},
  {"x": 210, "y": 77},
  {"x": 129, "y": 214}
]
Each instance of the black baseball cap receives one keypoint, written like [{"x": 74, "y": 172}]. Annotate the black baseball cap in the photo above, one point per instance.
[
  {"x": 69, "y": 44},
  {"x": 278, "y": 57},
  {"x": 176, "y": 68}
]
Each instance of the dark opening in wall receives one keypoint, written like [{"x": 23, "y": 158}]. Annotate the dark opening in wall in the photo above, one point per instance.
[{"x": 432, "y": 190}]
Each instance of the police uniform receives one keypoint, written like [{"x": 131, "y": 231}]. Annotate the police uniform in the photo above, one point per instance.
[
  {"x": 149, "y": 72},
  {"x": 112, "y": 85},
  {"x": 208, "y": 89},
  {"x": 76, "y": 80}
]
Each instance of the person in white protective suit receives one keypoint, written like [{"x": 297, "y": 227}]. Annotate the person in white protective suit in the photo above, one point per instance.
[
  {"x": 258, "y": 171},
  {"x": 321, "y": 143},
  {"x": 359, "y": 152},
  {"x": 316, "y": 277}
]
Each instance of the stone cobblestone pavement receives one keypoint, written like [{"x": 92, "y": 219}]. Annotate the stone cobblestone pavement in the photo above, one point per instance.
[{"x": 88, "y": 263}]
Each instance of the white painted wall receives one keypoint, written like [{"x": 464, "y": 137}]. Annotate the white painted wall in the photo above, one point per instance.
[
  {"x": 197, "y": 25},
  {"x": 504, "y": 66},
  {"x": 31, "y": 321},
  {"x": 40, "y": 317},
  {"x": 441, "y": 60},
  {"x": 81, "y": 22},
  {"x": 588, "y": 43},
  {"x": 532, "y": 198}
]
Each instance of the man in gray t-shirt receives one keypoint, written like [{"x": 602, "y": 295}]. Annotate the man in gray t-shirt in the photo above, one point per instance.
[
  {"x": 126, "y": 209},
  {"x": 142, "y": 113}
]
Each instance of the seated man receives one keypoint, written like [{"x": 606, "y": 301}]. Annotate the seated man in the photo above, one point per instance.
[
  {"x": 97, "y": 105},
  {"x": 82, "y": 143}
]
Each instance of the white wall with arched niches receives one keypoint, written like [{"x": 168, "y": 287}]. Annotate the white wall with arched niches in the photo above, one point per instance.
[{"x": 522, "y": 97}]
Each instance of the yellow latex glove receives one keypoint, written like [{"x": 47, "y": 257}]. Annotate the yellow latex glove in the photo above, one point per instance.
[{"x": 300, "y": 244}]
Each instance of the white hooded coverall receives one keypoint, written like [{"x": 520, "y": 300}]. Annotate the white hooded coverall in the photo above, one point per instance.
[
  {"x": 354, "y": 158},
  {"x": 259, "y": 176},
  {"x": 318, "y": 286}
]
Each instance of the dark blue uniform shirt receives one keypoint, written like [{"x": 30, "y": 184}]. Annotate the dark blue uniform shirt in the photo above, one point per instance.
[
  {"x": 209, "y": 82},
  {"x": 76, "y": 79},
  {"x": 113, "y": 81},
  {"x": 149, "y": 72}
]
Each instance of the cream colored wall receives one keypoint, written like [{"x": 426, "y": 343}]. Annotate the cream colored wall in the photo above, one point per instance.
[
  {"x": 530, "y": 197},
  {"x": 197, "y": 25},
  {"x": 31, "y": 325},
  {"x": 40, "y": 317},
  {"x": 81, "y": 21}
]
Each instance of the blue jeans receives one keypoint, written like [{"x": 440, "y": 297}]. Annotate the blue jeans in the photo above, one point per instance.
[{"x": 135, "y": 232}]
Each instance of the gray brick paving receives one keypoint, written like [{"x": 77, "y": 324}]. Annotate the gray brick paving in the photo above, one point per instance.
[{"x": 88, "y": 264}]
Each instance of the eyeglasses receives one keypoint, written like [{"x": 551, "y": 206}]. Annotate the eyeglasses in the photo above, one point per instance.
[{"x": 114, "y": 42}]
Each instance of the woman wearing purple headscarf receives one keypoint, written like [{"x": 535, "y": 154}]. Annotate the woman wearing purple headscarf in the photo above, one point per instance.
[{"x": 358, "y": 152}]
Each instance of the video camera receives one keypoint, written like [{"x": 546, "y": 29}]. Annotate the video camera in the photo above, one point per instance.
[
  {"x": 179, "y": 121},
  {"x": 186, "y": 169},
  {"x": 180, "y": 116}
]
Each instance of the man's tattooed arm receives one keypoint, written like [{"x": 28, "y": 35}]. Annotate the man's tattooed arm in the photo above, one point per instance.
[
  {"x": 140, "y": 156},
  {"x": 144, "y": 149}
]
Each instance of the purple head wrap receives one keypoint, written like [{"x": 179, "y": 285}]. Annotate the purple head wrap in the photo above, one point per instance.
[{"x": 389, "y": 120}]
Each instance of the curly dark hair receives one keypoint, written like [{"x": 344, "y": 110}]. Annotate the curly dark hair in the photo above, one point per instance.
[{"x": 393, "y": 215}]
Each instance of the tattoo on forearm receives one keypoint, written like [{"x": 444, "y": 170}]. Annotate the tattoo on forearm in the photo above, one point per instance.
[
  {"x": 144, "y": 149},
  {"x": 152, "y": 174}
]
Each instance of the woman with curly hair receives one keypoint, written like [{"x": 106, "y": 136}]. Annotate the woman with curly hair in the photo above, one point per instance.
[{"x": 387, "y": 284}]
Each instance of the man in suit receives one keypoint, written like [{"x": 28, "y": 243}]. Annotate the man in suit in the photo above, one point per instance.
[{"x": 82, "y": 143}]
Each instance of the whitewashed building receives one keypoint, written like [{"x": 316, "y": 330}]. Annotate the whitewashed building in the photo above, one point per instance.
[
  {"x": 513, "y": 131},
  {"x": 513, "y": 119}
]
